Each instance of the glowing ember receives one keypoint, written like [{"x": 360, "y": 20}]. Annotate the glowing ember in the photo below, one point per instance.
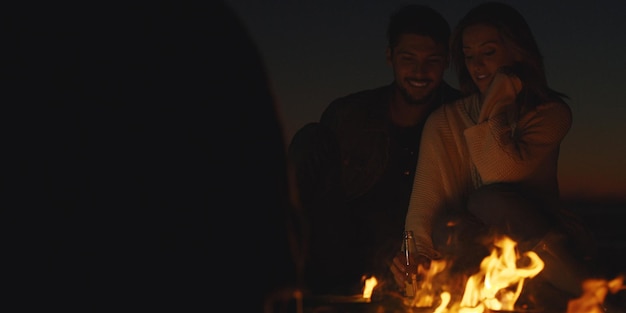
[
  {"x": 370, "y": 283},
  {"x": 594, "y": 292}
]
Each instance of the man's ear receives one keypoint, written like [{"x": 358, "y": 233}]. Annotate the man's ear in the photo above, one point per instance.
[{"x": 389, "y": 56}]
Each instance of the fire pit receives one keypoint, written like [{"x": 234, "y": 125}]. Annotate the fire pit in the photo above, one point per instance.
[{"x": 497, "y": 287}]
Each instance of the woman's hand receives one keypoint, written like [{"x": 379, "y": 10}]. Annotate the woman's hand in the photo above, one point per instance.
[{"x": 500, "y": 96}]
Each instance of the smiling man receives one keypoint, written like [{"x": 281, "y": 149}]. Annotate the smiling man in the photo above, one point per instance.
[{"x": 355, "y": 167}]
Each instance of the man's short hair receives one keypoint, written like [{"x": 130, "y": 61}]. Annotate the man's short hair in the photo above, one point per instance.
[{"x": 420, "y": 20}]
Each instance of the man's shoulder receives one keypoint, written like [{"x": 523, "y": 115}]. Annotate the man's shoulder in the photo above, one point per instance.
[
  {"x": 450, "y": 94},
  {"x": 365, "y": 103},
  {"x": 372, "y": 95}
]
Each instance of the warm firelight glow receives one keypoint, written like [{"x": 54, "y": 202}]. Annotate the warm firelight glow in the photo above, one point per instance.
[
  {"x": 445, "y": 299},
  {"x": 425, "y": 294},
  {"x": 370, "y": 283},
  {"x": 499, "y": 282},
  {"x": 497, "y": 285},
  {"x": 594, "y": 292}
]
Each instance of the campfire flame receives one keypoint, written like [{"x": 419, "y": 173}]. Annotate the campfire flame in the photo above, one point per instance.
[
  {"x": 499, "y": 282},
  {"x": 425, "y": 293},
  {"x": 498, "y": 285},
  {"x": 370, "y": 283}
]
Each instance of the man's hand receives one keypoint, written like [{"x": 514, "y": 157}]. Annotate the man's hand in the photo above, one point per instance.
[{"x": 399, "y": 267}]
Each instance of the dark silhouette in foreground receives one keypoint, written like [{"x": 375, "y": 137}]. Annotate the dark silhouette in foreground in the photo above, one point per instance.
[{"x": 145, "y": 159}]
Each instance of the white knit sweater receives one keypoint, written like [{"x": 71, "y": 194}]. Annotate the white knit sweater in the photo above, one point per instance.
[{"x": 466, "y": 145}]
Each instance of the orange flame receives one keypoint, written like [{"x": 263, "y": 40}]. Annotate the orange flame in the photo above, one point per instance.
[
  {"x": 499, "y": 282},
  {"x": 425, "y": 293},
  {"x": 370, "y": 283}
]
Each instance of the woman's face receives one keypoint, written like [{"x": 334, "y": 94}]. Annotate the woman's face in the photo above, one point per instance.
[{"x": 485, "y": 52}]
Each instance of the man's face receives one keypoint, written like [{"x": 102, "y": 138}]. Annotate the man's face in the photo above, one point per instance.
[{"x": 418, "y": 64}]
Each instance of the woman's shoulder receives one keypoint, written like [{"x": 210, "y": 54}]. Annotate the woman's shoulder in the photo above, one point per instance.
[
  {"x": 556, "y": 106},
  {"x": 555, "y": 112}
]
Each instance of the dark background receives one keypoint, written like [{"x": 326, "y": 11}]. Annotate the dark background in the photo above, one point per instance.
[{"x": 319, "y": 50}]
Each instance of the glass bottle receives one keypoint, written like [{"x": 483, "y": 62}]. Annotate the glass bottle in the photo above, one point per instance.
[{"x": 410, "y": 273}]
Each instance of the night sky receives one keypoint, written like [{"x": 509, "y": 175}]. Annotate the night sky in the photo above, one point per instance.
[{"x": 316, "y": 51}]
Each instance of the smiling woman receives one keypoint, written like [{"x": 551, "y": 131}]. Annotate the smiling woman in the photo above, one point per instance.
[{"x": 485, "y": 53}]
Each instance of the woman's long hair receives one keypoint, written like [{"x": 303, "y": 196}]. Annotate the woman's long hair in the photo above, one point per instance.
[{"x": 517, "y": 35}]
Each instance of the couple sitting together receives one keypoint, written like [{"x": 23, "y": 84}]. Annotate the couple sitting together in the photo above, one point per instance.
[{"x": 420, "y": 155}]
